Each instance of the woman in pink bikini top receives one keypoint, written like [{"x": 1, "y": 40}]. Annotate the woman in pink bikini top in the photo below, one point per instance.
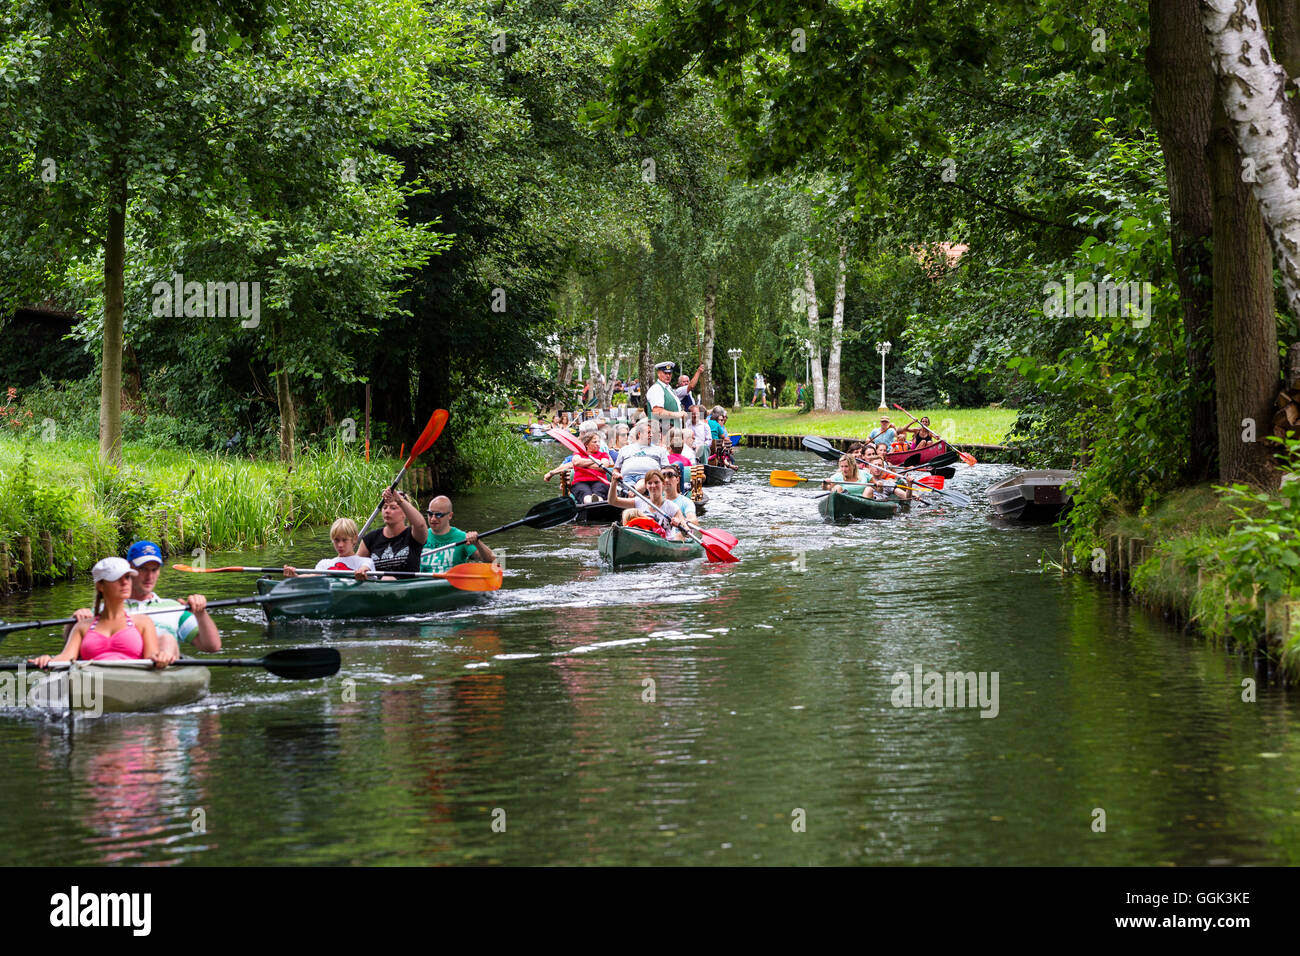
[{"x": 112, "y": 634}]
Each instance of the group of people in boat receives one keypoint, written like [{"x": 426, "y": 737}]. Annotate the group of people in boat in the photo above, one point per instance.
[
  {"x": 116, "y": 627},
  {"x": 867, "y": 463}
]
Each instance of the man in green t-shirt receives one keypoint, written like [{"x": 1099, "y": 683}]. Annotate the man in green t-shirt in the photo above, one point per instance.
[{"x": 439, "y": 554}]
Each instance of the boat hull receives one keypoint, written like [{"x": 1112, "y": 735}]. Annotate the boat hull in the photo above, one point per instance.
[
  {"x": 1032, "y": 496},
  {"x": 626, "y": 547},
  {"x": 840, "y": 507},
  {"x": 122, "y": 687},
  {"x": 924, "y": 456},
  {"x": 352, "y": 599},
  {"x": 715, "y": 475}
]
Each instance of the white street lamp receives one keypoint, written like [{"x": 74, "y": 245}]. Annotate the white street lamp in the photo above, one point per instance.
[
  {"x": 735, "y": 377},
  {"x": 883, "y": 348}
]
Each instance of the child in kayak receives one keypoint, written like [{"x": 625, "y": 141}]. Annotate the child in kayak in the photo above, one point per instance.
[
  {"x": 343, "y": 535},
  {"x": 111, "y": 634}
]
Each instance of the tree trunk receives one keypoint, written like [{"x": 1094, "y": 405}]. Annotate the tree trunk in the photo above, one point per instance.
[
  {"x": 814, "y": 342},
  {"x": 706, "y": 343},
  {"x": 1182, "y": 81},
  {"x": 643, "y": 364},
  {"x": 1245, "y": 330},
  {"x": 837, "y": 331},
  {"x": 110, "y": 386},
  {"x": 288, "y": 414}
]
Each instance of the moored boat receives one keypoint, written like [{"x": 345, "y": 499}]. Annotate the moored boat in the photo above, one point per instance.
[
  {"x": 717, "y": 475},
  {"x": 116, "y": 687},
  {"x": 622, "y": 547},
  {"x": 350, "y": 598},
  {"x": 845, "y": 507},
  {"x": 1032, "y": 495}
]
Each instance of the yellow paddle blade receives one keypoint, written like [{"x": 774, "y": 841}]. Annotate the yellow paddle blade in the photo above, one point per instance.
[
  {"x": 473, "y": 576},
  {"x": 786, "y": 479}
]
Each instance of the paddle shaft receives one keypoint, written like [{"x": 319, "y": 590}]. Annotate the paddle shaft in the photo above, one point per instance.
[
  {"x": 374, "y": 514},
  {"x": 927, "y": 427},
  {"x": 227, "y": 602}
]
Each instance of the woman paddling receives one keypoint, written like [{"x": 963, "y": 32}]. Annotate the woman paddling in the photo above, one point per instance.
[
  {"x": 396, "y": 546},
  {"x": 664, "y": 513},
  {"x": 110, "y": 634}
]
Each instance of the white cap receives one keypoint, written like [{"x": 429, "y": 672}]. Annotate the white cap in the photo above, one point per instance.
[{"x": 111, "y": 569}]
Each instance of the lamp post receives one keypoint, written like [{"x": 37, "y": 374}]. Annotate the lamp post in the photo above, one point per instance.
[
  {"x": 735, "y": 377},
  {"x": 883, "y": 348}
]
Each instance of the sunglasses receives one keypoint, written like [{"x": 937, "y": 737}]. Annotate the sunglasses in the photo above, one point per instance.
[{"x": 436, "y": 514}]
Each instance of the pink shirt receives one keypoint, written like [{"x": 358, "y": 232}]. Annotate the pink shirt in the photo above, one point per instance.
[{"x": 125, "y": 645}]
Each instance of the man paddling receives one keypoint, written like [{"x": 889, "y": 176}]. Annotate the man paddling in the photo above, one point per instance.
[
  {"x": 192, "y": 623},
  {"x": 468, "y": 547}
]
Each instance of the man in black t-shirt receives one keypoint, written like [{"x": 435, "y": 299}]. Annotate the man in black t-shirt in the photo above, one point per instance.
[{"x": 396, "y": 546}]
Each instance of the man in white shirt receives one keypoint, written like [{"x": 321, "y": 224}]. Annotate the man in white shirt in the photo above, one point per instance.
[
  {"x": 683, "y": 389},
  {"x": 760, "y": 390},
  {"x": 639, "y": 456},
  {"x": 661, "y": 400}
]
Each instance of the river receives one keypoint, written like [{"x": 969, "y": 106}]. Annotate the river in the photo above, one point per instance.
[{"x": 687, "y": 714}]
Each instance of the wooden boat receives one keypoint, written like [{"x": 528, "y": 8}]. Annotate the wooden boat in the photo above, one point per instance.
[
  {"x": 924, "y": 456},
  {"x": 598, "y": 512},
  {"x": 1032, "y": 495},
  {"x": 845, "y": 507},
  {"x": 623, "y": 547},
  {"x": 356, "y": 599},
  {"x": 717, "y": 475},
  {"x": 117, "y": 687}
]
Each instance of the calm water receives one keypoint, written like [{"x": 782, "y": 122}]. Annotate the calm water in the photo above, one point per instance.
[{"x": 772, "y": 695}]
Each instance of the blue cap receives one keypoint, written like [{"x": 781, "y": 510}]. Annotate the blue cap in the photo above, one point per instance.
[{"x": 142, "y": 552}]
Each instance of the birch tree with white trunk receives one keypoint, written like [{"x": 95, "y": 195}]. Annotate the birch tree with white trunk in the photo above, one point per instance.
[
  {"x": 814, "y": 324},
  {"x": 1252, "y": 87},
  {"x": 837, "y": 330}
]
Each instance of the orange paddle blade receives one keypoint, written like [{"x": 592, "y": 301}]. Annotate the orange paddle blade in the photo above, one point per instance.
[
  {"x": 969, "y": 459},
  {"x": 186, "y": 567},
  {"x": 785, "y": 479},
  {"x": 437, "y": 421},
  {"x": 473, "y": 576}
]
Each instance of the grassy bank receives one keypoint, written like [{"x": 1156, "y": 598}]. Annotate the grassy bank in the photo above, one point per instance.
[
  {"x": 1225, "y": 563},
  {"x": 228, "y": 503}
]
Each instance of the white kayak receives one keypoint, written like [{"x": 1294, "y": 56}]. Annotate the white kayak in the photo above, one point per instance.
[{"x": 115, "y": 687}]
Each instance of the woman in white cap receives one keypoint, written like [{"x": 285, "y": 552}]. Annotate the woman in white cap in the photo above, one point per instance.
[{"x": 112, "y": 634}]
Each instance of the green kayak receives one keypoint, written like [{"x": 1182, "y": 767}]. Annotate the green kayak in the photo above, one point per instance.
[
  {"x": 842, "y": 507},
  {"x": 621, "y": 547},
  {"x": 117, "y": 687},
  {"x": 349, "y": 598}
]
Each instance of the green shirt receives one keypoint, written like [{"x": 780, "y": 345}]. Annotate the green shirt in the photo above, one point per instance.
[
  {"x": 442, "y": 560},
  {"x": 180, "y": 625}
]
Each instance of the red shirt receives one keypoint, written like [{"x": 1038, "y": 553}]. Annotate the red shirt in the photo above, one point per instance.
[{"x": 590, "y": 474}]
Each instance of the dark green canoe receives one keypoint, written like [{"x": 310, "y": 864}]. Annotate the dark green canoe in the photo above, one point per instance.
[
  {"x": 354, "y": 599},
  {"x": 841, "y": 507},
  {"x": 621, "y": 547}
]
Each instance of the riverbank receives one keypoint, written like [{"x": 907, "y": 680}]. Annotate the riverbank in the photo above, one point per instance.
[
  {"x": 1224, "y": 565},
  {"x": 74, "y": 510}
]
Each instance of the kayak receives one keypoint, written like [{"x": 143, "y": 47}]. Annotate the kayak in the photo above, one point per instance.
[
  {"x": 620, "y": 547},
  {"x": 117, "y": 687},
  {"x": 921, "y": 457},
  {"x": 597, "y": 512},
  {"x": 717, "y": 475},
  {"x": 842, "y": 507},
  {"x": 355, "y": 599}
]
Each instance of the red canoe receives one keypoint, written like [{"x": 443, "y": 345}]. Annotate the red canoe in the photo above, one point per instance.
[{"x": 920, "y": 457}]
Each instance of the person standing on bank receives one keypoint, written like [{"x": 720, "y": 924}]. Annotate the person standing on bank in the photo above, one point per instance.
[
  {"x": 760, "y": 390},
  {"x": 396, "y": 546},
  {"x": 662, "y": 401}
]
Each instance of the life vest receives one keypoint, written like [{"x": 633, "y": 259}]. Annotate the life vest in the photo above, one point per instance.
[{"x": 642, "y": 523}]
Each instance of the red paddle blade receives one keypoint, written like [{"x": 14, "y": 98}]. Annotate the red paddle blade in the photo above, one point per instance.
[
  {"x": 437, "y": 421},
  {"x": 567, "y": 440},
  {"x": 725, "y": 538},
  {"x": 969, "y": 459},
  {"x": 186, "y": 567},
  {"x": 932, "y": 481},
  {"x": 719, "y": 555}
]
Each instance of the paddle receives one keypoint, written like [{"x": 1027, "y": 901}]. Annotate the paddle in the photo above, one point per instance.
[
  {"x": 822, "y": 448},
  {"x": 933, "y": 483},
  {"x": 788, "y": 479},
  {"x": 967, "y": 458},
  {"x": 713, "y": 541},
  {"x": 544, "y": 514},
  {"x": 472, "y": 576},
  {"x": 427, "y": 437},
  {"x": 294, "y": 663},
  {"x": 307, "y": 595}
]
